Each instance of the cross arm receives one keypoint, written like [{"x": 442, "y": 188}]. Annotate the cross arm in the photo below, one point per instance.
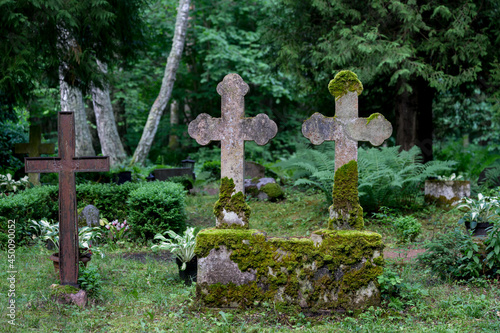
[
  {"x": 319, "y": 128},
  {"x": 91, "y": 164},
  {"x": 375, "y": 129},
  {"x": 205, "y": 129},
  {"x": 42, "y": 164},
  {"x": 260, "y": 129}
]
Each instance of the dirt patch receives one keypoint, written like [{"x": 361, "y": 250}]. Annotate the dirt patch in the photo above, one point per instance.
[
  {"x": 404, "y": 254},
  {"x": 143, "y": 256}
]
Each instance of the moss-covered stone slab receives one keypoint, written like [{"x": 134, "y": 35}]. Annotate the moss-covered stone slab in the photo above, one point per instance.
[
  {"x": 331, "y": 270},
  {"x": 446, "y": 193}
]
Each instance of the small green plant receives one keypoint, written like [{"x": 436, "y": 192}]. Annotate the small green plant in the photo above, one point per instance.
[
  {"x": 451, "y": 177},
  {"x": 482, "y": 210},
  {"x": 407, "y": 228},
  {"x": 182, "y": 246},
  {"x": 116, "y": 231},
  {"x": 9, "y": 184},
  {"x": 90, "y": 280},
  {"x": 396, "y": 292}
]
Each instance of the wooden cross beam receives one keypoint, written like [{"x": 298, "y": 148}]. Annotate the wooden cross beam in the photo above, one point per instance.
[
  {"x": 346, "y": 129},
  {"x": 34, "y": 148},
  {"x": 66, "y": 165},
  {"x": 233, "y": 129}
]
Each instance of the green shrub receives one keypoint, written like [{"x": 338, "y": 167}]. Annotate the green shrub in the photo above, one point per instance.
[
  {"x": 108, "y": 198},
  {"x": 157, "y": 207},
  {"x": 212, "y": 168},
  {"x": 407, "y": 228},
  {"x": 35, "y": 203}
]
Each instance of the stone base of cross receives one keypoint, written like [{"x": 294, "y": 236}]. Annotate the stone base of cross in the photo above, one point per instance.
[
  {"x": 232, "y": 130},
  {"x": 346, "y": 129}
]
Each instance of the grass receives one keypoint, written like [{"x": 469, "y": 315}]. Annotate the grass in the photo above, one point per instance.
[{"x": 141, "y": 291}]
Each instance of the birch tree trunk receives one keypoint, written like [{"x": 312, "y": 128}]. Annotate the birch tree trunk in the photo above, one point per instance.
[
  {"x": 106, "y": 125},
  {"x": 72, "y": 100},
  {"x": 148, "y": 134}
]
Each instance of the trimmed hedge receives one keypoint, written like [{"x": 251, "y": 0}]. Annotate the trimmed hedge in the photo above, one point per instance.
[
  {"x": 157, "y": 207},
  {"x": 112, "y": 200}
]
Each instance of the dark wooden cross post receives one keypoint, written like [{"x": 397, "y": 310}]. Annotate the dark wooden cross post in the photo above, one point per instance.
[
  {"x": 233, "y": 129},
  {"x": 346, "y": 129},
  {"x": 66, "y": 165},
  {"x": 34, "y": 148}
]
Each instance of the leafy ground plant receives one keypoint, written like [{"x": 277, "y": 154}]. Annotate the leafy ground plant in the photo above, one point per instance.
[{"x": 181, "y": 246}]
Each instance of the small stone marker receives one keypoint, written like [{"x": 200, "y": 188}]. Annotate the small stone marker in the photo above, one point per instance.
[
  {"x": 346, "y": 129},
  {"x": 232, "y": 129},
  {"x": 34, "y": 148},
  {"x": 66, "y": 165},
  {"x": 89, "y": 216}
]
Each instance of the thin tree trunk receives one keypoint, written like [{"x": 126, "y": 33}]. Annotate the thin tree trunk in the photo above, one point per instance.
[
  {"x": 414, "y": 118},
  {"x": 72, "y": 100},
  {"x": 173, "y": 139},
  {"x": 106, "y": 125},
  {"x": 148, "y": 134}
]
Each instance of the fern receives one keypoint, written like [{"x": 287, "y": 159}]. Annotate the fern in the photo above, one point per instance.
[{"x": 391, "y": 178}]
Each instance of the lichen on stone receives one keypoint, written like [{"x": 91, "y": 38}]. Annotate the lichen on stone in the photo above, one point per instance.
[
  {"x": 346, "y": 212},
  {"x": 231, "y": 210},
  {"x": 344, "y": 82}
]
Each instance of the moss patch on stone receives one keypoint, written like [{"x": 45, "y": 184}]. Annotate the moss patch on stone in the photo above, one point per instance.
[
  {"x": 58, "y": 290},
  {"x": 344, "y": 82},
  {"x": 346, "y": 212},
  {"x": 298, "y": 271},
  {"x": 273, "y": 191},
  {"x": 373, "y": 116},
  {"x": 231, "y": 203}
]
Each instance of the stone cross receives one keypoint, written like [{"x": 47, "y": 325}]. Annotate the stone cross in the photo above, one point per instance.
[
  {"x": 233, "y": 129},
  {"x": 66, "y": 165},
  {"x": 34, "y": 148},
  {"x": 346, "y": 129}
]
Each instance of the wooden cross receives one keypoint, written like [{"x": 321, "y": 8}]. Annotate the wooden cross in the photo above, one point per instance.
[
  {"x": 66, "y": 165},
  {"x": 346, "y": 129},
  {"x": 233, "y": 129},
  {"x": 34, "y": 148}
]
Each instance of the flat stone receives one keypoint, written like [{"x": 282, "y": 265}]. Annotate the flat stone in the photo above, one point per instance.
[{"x": 218, "y": 267}]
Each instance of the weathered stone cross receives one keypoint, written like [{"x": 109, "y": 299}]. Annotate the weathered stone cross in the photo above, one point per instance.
[
  {"x": 34, "y": 148},
  {"x": 66, "y": 165},
  {"x": 346, "y": 129},
  {"x": 233, "y": 129}
]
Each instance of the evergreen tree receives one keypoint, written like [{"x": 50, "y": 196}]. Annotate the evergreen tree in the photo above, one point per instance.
[{"x": 402, "y": 51}]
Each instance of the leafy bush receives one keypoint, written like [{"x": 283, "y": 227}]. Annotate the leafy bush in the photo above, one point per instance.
[
  {"x": 407, "y": 228},
  {"x": 397, "y": 293},
  {"x": 157, "y": 207},
  {"x": 108, "y": 198},
  {"x": 212, "y": 168},
  {"x": 90, "y": 280},
  {"x": 32, "y": 204}
]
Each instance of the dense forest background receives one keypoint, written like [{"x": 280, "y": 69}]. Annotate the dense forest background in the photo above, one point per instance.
[{"x": 431, "y": 67}]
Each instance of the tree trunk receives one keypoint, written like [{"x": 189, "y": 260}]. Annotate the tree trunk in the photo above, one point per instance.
[
  {"x": 173, "y": 139},
  {"x": 106, "y": 125},
  {"x": 72, "y": 100},
  {"x": 148, "y": 134},
  {"x": 414, "y": 118}
]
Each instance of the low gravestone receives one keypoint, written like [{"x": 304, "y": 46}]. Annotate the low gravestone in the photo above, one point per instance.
[
  {"x": 264, "y": 189},
  {"x": 331, "y": 270},
  {"x": 89, "y": 217},
  {"x": 254, "y": 170},
  {"x": 166, "y": 174},
  {"x": 446, "y": 192}
]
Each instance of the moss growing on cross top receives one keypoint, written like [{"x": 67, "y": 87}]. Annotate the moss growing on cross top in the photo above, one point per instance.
[{"x": 344, "y": 82}]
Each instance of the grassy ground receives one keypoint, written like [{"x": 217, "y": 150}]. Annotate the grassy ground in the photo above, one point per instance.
[{"x": 141, "y": 291}]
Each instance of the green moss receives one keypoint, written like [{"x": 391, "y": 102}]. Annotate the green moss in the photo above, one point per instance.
[
  {"x": 373, "y": 116},
  {"x": 347, "y": 212},
  {"x": 344, "y": 82},
  {"x": 231, "y": 203},
  {"x": 273, "y": 191},
  {"x": 290, "y": 265},
  {"x": 59, "y": 290}
]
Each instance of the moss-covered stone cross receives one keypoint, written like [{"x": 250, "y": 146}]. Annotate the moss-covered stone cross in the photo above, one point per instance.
[
  {"x": 232, "y": 130},
  {"x": 346, "y": 129},
  {"x": 34, "y": 148}
]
